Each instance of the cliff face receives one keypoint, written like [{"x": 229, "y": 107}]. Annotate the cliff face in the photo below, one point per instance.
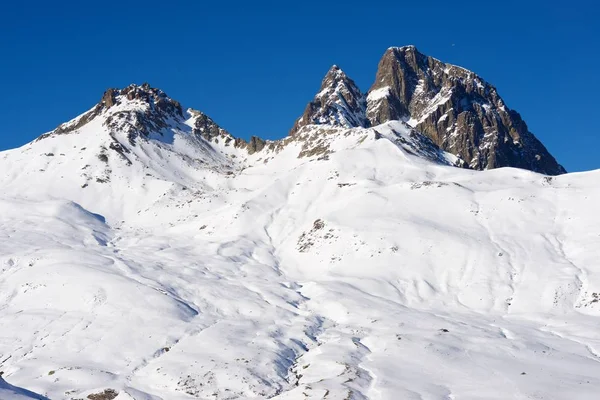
[{"x": 459, "y": 111}]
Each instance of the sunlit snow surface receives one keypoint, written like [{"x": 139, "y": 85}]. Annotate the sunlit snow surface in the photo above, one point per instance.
[{"x": 369, "y": 273}]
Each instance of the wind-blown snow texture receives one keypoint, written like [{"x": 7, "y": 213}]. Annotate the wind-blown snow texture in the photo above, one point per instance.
[{"x": 335, "y": 264}]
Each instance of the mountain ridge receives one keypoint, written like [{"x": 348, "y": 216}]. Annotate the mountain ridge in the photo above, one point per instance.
[
  {"x": 140, "y": 114},
  {"x": 459, "y": 111},
  {"x": 316, "y": 269},
  {"x": 146, "y": 253}
]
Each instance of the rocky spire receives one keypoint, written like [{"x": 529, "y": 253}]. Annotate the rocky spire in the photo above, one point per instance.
[
  {"x": 458, "y": 110},
  {"x": 339, "y": 103}
]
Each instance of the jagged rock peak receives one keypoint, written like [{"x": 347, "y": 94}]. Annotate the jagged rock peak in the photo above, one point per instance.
[
  {"x": 143, "y": 93},
  {"x": 144, "y": 102},
  {"x": 141, "y": 111},
  {"x": 339, "y": 102},
  {"x": 458, "y": 110},
  {"x": 205, "y": 126},
  {"x": 333, "y": 77}
]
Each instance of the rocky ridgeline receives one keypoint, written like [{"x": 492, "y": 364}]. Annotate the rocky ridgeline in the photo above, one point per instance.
[
  {"x": 140, "y": 110},
  {"x": 451, "y": 107},
  {"x": 208, "y": 129},
  {"x": 458, "y": 110}
]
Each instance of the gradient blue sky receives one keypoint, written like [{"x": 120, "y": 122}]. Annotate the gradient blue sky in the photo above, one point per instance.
[{"x": 253, "y": 66}]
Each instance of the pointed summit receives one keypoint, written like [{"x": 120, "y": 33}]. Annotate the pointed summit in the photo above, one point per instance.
[
  {"x": 143, "y": 112},
  {"x": 339, "y": 103},
  {"x": 406, "y": 48},
  {"x": 458, "y": 110},
  {"x": 395, "y": 82},
  {"x": 136, "y": 110},
  {"x": 143, "y": 95}
]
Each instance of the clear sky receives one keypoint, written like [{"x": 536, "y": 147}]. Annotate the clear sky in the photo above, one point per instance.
[{"x": 253, "y": 65}]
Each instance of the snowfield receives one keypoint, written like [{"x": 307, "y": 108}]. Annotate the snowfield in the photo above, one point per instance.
[{"x": 369, "y": 268}]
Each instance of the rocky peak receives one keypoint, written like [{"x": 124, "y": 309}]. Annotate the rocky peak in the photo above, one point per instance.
[
  {"x": 135, "y": 110},
  {"x": 139, "y": 111},
  {"x": 206, "y": 127},
  {"x": 395, "y": 81},
  {"x": 141, "y": 95},
  {"x": 155, "y": 98},
  {"x": 459, "y": 111},
  {"x": 339, "y": 103}
]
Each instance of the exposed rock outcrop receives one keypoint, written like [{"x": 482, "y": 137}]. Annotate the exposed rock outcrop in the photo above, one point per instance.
[
  {"x": 459, "y": 111},
  {"x": 206, "y": 127},
  {"x": 339, "y": 103}
]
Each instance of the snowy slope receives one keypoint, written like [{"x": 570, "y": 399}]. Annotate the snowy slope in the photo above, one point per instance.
[
  {"x": 10, "y": 392},
  {"x": 335, "y": 264}
]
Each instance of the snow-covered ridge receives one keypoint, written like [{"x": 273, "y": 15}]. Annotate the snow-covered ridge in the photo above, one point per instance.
[
  {"x": 138, "y": 141},
  {"x": 319, "y": 276},
  {"x": 147, "y": 254},
  {"x": 438, "y": 100}
]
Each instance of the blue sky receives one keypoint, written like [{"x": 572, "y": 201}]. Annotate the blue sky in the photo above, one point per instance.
[{"x": 253, "y": 66}]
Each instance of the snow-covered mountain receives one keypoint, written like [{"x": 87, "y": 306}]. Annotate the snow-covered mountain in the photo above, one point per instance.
[
  {"x": 146, "y": 253},
  {"x": 458, "y": 110},
  {"x": 461, "y": 112}
]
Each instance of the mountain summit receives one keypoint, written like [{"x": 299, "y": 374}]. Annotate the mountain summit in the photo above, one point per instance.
[
  {"x": 458, "y": 110},
  {"x": 461, "y": 112},
  {"x": 339, "y": 102},
  {"x": 134, "y": 110}
]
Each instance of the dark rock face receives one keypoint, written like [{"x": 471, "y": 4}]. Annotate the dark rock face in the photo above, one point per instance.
[
  {"x": 108, "y": 99},
  {"x": 339, "y": 102},
  {"x": 206, "y": 127},
  {"x": 458, "y": 110},
  {"x": 255, "y": 144}
]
